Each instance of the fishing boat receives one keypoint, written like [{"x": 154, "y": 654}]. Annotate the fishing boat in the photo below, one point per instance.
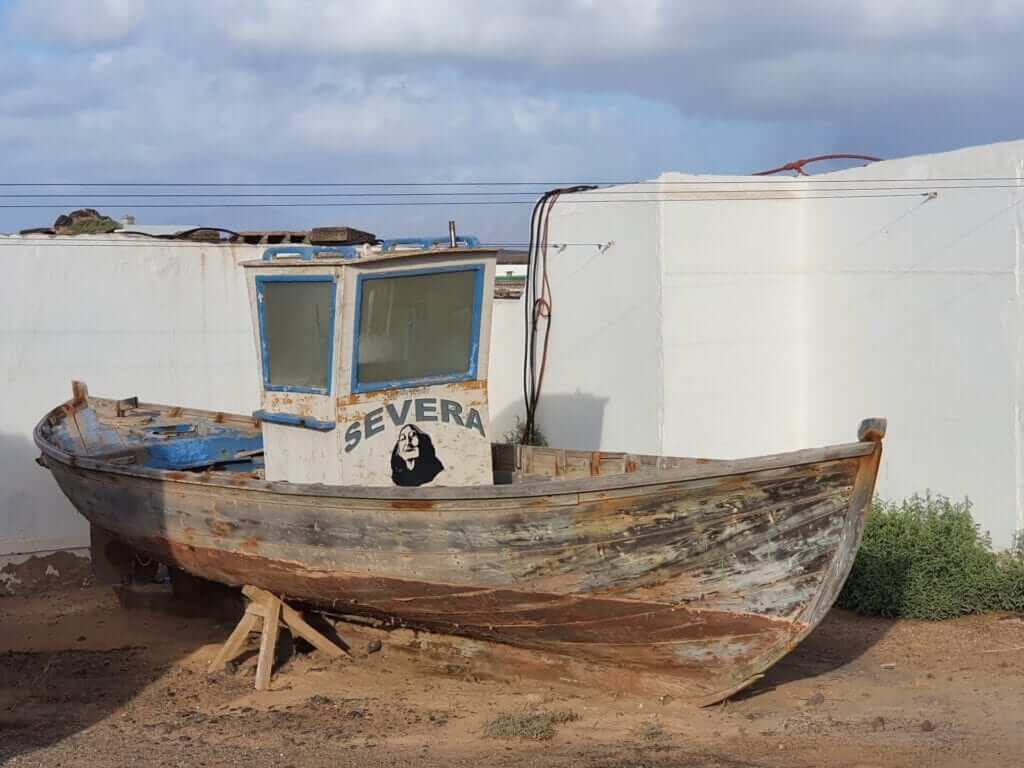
[{"x": 367, "y": 484}]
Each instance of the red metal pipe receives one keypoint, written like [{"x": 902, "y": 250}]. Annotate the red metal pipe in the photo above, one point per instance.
[{"x": 798, "y": 165}]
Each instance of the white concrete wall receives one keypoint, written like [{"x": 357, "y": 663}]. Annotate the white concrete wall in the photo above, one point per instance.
[
  {"x": 505, "y": 370},
  {"x": 726, "y": 328},
  {"x": 734, "y": 362},
  {"x": 168, "y": 322},
  {"x": 740, "y": 326},
  {"x": 916, "y": 317},
  {"x": 603, "y": 382}
]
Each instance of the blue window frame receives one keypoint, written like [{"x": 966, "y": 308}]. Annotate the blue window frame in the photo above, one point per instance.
[
  {"x": 469, "y": 372},
  {"x": 262, "y": 284}
]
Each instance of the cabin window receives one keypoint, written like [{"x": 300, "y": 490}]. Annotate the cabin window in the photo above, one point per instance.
[
  {"x": 296, "y": 315},
  {"x": 417, "y": 327}
]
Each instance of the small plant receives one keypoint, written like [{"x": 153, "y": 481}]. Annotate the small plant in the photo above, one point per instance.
[
  {"x": 517, "y": 435},
  {"x": 649, "y": 730},
  {"x": 533, "y": 724},
  {"x": 925, "y": 558}
]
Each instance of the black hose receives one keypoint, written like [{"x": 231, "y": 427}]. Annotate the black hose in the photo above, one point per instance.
[{"x": 537, "y": 295}]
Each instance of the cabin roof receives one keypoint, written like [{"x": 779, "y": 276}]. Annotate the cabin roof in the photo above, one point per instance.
[{"x": 306, "y": 256}]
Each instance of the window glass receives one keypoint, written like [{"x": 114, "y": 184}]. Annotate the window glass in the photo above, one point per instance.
[
  {"x": 297, "y": 332},
  {"x": 416, "y": 326}
]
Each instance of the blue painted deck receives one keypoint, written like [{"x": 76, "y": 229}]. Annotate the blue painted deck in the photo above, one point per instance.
[{"x": 157, "y": 440}]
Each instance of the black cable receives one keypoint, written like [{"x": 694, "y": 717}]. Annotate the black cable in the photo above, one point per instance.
[
  {"x": 538, "y": 304},
  {"x": 528, "y": 304}
]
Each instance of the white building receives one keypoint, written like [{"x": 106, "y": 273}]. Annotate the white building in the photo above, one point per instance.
[
  {"x": 167, "y": 320},
  {"x": 745, "y": 322},
  {"x": 710, "y": 324}
]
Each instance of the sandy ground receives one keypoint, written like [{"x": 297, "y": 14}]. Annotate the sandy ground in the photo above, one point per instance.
[{"x": 84, "y": 682}]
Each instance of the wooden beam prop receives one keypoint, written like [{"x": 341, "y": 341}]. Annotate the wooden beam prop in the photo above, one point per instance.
[{"x": 268, "y": 612}]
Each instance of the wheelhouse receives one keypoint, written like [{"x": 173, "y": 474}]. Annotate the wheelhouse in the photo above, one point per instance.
[{"x": 373, "y": 362}]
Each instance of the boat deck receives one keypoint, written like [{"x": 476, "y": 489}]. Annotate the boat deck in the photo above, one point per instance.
[
  {"x": 130, "y": 433},
  {"x": 160, "y": 437}
]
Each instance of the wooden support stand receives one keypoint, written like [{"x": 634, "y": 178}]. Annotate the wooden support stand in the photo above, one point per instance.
[{"x": 269, "y": 611}]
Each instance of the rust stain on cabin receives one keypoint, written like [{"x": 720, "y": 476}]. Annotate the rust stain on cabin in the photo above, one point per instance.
[{"x": 388, "y": 395}]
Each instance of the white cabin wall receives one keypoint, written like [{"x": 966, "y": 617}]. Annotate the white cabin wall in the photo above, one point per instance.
[{"x": 168, "y": 322}]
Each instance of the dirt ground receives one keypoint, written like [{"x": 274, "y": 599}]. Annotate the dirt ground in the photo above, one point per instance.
[{"x": 84, "y": 682}]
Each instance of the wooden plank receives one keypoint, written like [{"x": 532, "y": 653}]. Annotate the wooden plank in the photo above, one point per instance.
[
  {"x": 577, "y": 464},
  {"x": 262, "y": 600},
  {"x": 612, "y": 464},
  {"x": 268, "y": 643},
  {"x": 233, "y": 645},
  {"x": 298, "y": 625}
]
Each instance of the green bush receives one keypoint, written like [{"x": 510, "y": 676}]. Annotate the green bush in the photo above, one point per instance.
[
  {"x": 925, "y": 558},
  {"x": 517, "y": 435}
]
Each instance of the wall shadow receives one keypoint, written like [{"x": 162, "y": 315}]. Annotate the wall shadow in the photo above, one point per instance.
[{"x": 567, "y": 420}]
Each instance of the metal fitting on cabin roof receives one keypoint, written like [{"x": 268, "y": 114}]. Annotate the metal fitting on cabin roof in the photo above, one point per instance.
[{"x": 348, "y": 252}]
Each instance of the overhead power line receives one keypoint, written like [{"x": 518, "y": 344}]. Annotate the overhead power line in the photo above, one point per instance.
[
  {"x": 468, "y": 194},
  {"x": 85, "y": 241},
  {"x": 414, "y": 203},
  {"x": 787, "y": 180}
]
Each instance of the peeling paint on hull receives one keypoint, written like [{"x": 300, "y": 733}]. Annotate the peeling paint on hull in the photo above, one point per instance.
[{"x": 696, "y": 579}]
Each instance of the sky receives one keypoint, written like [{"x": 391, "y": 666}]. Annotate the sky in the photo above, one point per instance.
[{"x": 546, "y": 91}]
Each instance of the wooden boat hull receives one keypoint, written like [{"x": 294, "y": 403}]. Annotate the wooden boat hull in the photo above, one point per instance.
[{"x": 701, "y": 577}]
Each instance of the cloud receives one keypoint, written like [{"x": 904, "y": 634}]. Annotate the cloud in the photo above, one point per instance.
[
  {"x": 82, "y": 23},
  {"x": 459, "y": 29},
  {"x": 262, "y": 90},
  {"x": 144, "y": 112},
  {"x": 726, "y": 59},
  {"x": 582, "y": 32}
]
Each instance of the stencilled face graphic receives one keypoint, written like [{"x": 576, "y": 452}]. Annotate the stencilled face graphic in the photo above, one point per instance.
[
  {"x": 413, "y": 461},
  {"x": 408, "y": 446}
]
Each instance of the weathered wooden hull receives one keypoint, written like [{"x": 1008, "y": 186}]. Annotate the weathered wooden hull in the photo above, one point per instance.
[{"x": 703, "y": 576}]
